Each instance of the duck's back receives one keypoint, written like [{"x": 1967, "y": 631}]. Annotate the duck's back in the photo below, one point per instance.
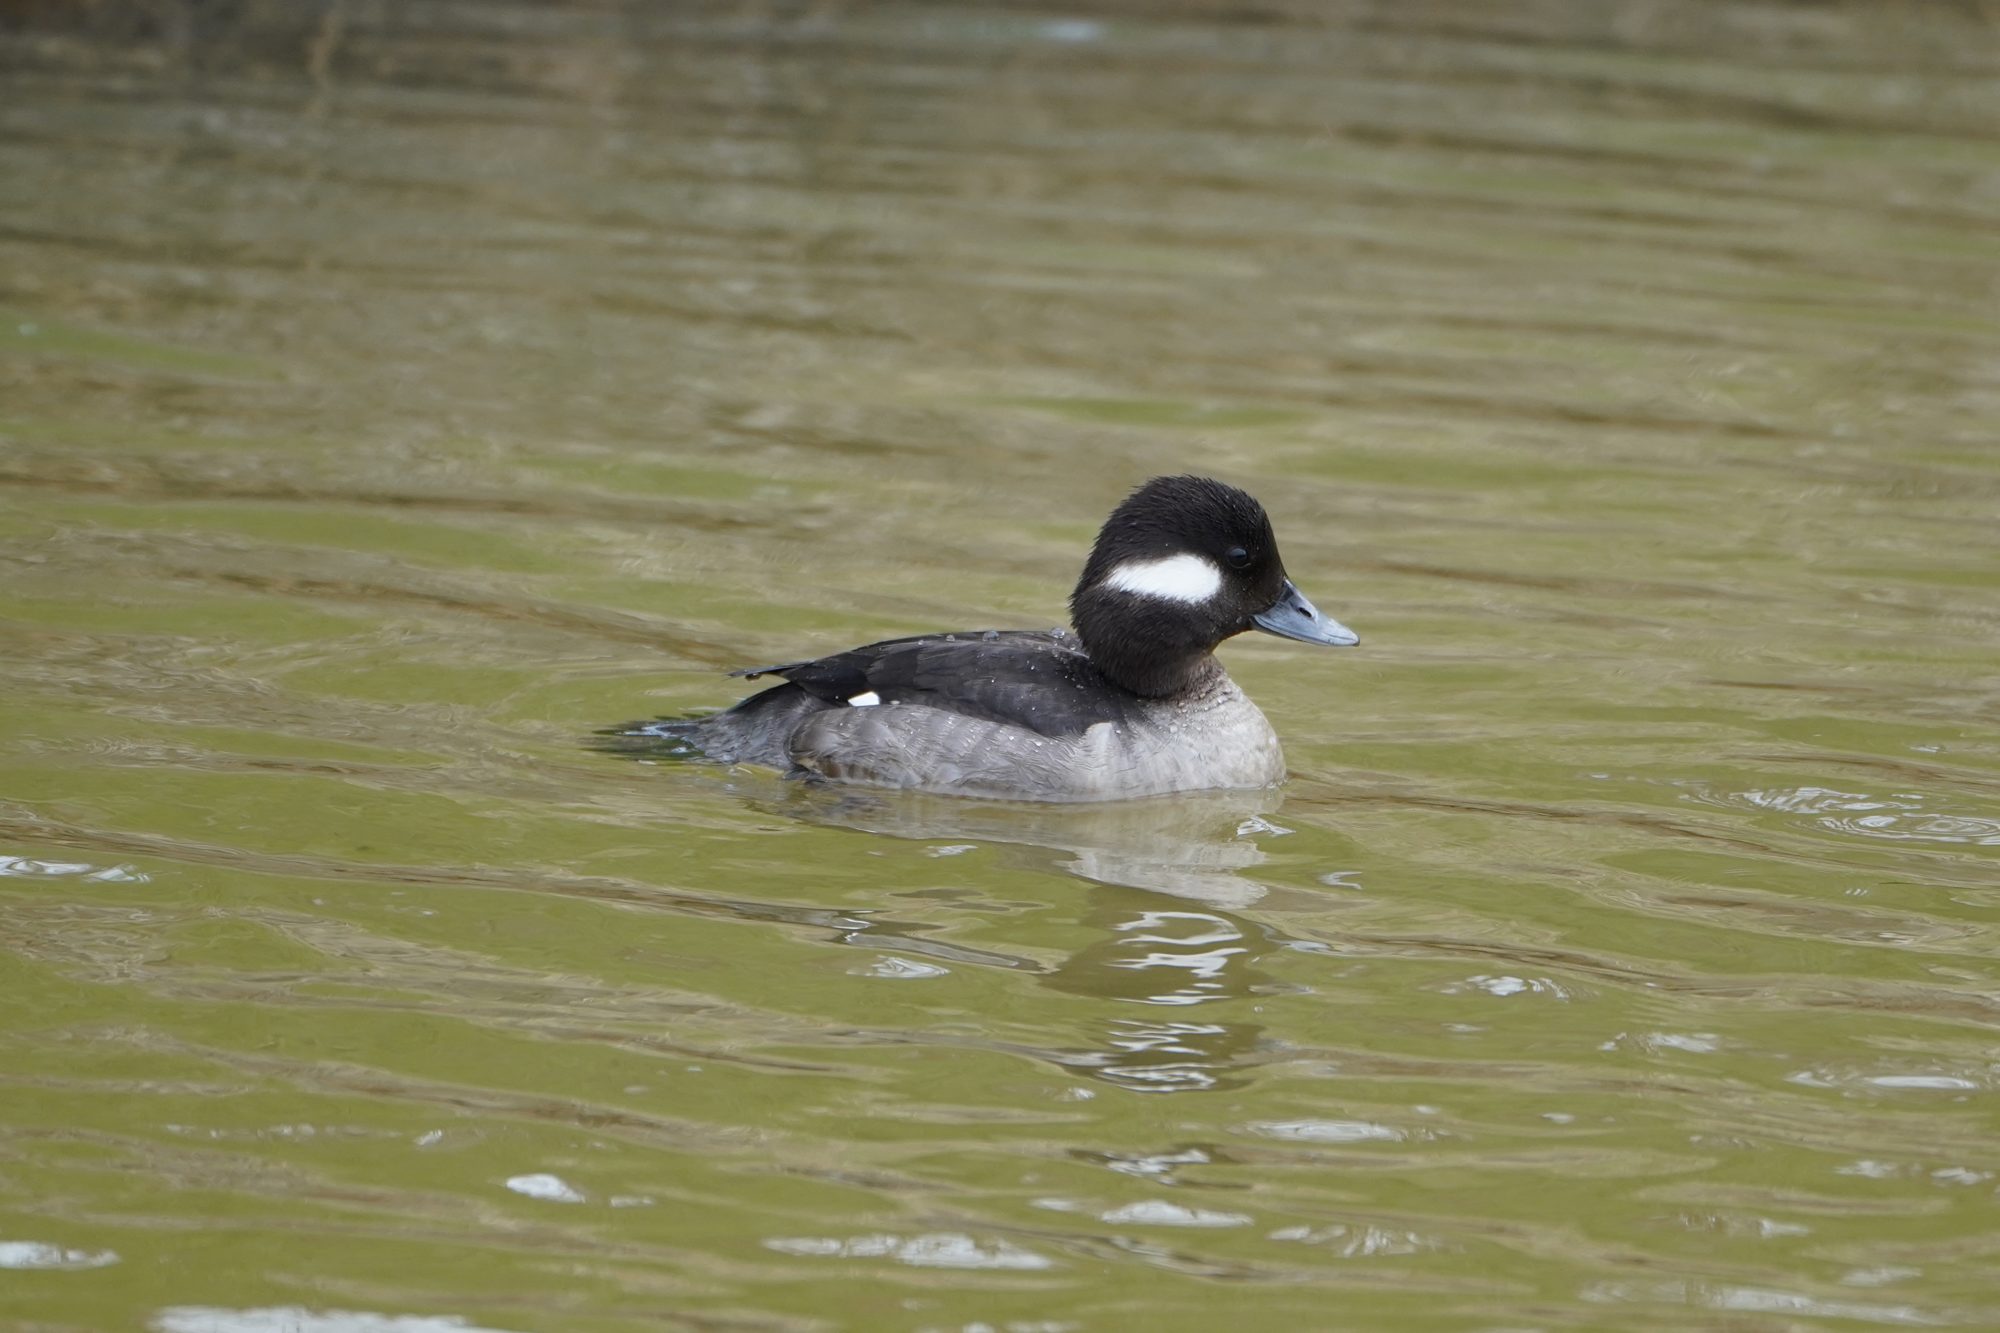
[{"x": 1037, "y": 679}]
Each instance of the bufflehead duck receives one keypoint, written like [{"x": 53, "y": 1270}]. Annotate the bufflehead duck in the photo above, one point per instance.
[{"x": 1132, "y": 703}]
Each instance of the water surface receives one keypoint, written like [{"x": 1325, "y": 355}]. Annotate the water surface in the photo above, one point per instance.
[{"x": 390, "y": 399}]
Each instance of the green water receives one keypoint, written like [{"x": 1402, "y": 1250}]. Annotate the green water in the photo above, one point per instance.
[{"x": 391, "y": 397}]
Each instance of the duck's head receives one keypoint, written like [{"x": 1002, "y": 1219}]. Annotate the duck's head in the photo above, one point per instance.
[{"x": 1181, "y": 565}]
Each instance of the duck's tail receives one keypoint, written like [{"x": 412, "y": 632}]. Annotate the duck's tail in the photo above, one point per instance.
[
  {"x": 756, "y": 731},
  {"x": 661, "y": 738}
]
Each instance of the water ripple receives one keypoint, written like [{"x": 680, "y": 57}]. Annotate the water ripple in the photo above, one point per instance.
[{"x": 1898, "y": 817}]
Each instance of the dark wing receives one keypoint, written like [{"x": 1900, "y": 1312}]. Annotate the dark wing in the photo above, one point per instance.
[{"x": 1038, "y": 679}]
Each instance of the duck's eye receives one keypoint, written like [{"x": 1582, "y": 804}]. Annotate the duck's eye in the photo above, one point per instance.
[{"x": 1237, "y": 557}]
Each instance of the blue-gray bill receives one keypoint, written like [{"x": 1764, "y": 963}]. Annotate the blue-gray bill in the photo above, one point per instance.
[{"x": 1293, "y": 617}]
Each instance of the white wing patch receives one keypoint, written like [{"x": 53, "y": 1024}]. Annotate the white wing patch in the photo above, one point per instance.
[
  {"x": 1176, "y": 578},
  {"x": 866, "y": 699}
]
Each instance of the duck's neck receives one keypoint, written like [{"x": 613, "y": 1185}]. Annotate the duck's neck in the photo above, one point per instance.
[{"x": 1149, "y": 664}]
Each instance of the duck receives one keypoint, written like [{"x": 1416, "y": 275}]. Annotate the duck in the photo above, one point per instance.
[{"x": 1128, "y": 702}]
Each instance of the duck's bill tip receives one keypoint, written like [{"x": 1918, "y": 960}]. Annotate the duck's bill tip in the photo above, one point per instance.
[{"x": 1293, "y": 617}]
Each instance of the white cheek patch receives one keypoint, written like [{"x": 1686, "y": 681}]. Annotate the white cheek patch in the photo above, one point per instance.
[
  {"x": 1176, "y": 578},
  {"x": 866, "y": 699}
]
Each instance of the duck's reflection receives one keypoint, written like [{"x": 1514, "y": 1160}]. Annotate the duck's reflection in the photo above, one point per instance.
[
  {"x": 1163, "y": 932},
  {"x": 1193, "y": 847},
  {"x": 1177, "y": 959}
]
